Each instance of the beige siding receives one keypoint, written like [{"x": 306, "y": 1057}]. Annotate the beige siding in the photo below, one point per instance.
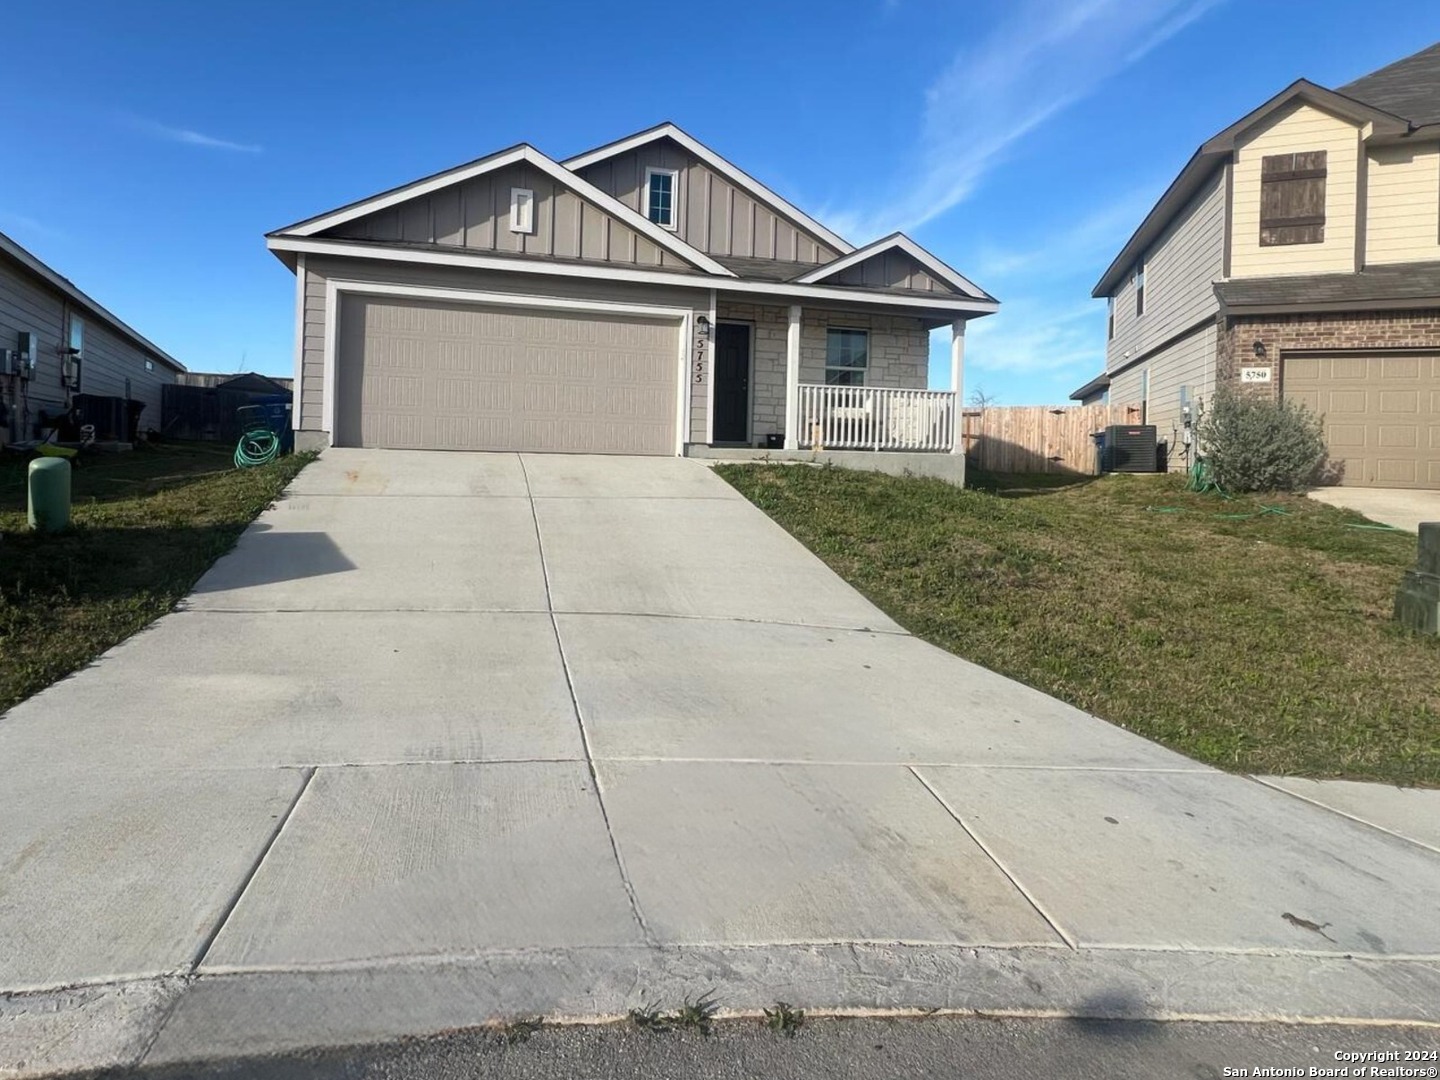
[
  {"x": 476, "y": 215},
  {"x": 1403, "y": 203},
  {"x": 713, "y": 215},
  {"x": 891, "y": 270},
  {"x": 1300, "y": 128},
  {"x": 319, "y": 270},
  {"x": 109, "y": 358},
  {"x": 1186, "y": 365},
  {"x": 1181, "y": 269}
]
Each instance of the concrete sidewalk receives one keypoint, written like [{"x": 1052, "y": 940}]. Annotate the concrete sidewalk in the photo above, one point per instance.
[{"x": 450, "y": 737}]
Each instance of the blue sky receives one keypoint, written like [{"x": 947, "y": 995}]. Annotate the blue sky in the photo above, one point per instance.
[{"x": 150, "y": 144}]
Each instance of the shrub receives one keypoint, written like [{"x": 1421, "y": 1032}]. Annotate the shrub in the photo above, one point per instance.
[{"x": 1256, "y": 444}]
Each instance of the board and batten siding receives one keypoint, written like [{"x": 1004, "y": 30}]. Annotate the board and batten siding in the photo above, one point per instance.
[
  {"x": 108, "y": 358},
  {"x": 891, "y": 270},
  {"x": 1301, "y": 128},
  {"x": 1402, "y": 198},
  {"x": 1181, "y": 269},
  {"x": 475, "y": 215},
  {"x": 712, "y": 213},
  {"x": 319, "y": 270}
]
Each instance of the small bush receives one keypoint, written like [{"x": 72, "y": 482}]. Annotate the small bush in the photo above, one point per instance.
[{"x": 1255, "y": 444}]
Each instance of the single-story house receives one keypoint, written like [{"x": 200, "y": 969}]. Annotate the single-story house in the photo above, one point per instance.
[
  {"x": 643, "y": 297},
  {"x": 57, "y": 343}
]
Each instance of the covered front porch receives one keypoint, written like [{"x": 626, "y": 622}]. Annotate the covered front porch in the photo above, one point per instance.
[{"x": 810, "y": 379}]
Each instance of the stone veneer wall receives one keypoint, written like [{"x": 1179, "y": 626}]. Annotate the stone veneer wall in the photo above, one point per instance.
[{"x": 899, "y": 354}]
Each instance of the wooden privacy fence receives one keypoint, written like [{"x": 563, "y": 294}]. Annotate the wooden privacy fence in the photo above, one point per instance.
[{"x": 1039, "y": 438}]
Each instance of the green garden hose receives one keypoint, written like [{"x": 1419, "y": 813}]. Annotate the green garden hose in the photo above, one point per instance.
[{"x": 258, "y": 447}]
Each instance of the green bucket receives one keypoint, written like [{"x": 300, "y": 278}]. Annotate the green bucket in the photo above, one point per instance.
[{"x": 49, "y": 494}]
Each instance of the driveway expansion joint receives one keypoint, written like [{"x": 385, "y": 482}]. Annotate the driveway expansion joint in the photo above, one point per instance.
[
  {"x": 634, "y": 900},
  {"x": 1352, "y": 817},
  {"x": 1050, "y": 920}
]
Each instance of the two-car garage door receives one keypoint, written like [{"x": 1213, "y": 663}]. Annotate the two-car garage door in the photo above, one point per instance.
[
  {"x": 440, "y": 375},
  {"x": 1381, "y": 415}
]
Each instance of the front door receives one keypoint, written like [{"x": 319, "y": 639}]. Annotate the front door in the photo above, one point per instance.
[{"x": 732, "y": 383}]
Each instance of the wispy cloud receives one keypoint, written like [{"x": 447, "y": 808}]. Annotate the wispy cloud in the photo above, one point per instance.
[
  {"x": 1038, "y": 337},
  {"x": 189, "y": 137},
  {"x": 1041, "y": 59},
  {"x": 22, "y": 223},
  {"x": 1076, "y": 247}
]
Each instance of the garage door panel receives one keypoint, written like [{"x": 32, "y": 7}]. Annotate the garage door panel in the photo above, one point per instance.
[
  {"x": 422, "y": 374},
  {"x": 1381, "y": 415}
]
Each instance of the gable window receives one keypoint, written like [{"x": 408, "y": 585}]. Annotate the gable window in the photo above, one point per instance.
[
  {"x": 1140, "y": 288},
  {"x": 660, "y": 185},
  {"x": 522, "y": 210},
  {"x": 1110, "y": 318},
  {"x": 1292, "y": 198},
  {"x": 149, "y": 364},
  {"x": 847, "y": 355}
]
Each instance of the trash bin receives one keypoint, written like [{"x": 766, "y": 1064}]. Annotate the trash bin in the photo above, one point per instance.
[{"x": 48, "y": 493}]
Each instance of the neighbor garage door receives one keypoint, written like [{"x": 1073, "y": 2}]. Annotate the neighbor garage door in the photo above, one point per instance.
[
  {"x": 413, "y": 374},
  {"x": 1381, "y": 415}
]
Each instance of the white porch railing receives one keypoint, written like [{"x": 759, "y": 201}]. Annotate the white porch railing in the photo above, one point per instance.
[{"x": 875, "y": 418}]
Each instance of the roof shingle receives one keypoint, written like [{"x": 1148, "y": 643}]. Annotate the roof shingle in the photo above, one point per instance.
[
  {"x": 1404, "y": 281},
  {"x": 1409, "y": 88}
]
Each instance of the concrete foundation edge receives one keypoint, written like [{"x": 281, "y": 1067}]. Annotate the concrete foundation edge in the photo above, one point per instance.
[
  {"x": 221, "y": 1014},
  {"x": 947, "y": 467}
]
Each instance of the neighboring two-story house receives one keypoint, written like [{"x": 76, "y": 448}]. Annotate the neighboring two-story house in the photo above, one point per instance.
[
  {"x": 645, "y": 297},
  {"x": 56, "y": 343},
  {"x": 1298, "y": 253}
]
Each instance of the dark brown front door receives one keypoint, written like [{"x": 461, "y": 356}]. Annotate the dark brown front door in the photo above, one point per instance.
[{"x": 732, "y": 383}]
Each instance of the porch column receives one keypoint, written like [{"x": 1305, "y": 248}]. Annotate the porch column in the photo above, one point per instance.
[
  {"x": 792, "y": 380},
  {"x": 957, "y": 384}
]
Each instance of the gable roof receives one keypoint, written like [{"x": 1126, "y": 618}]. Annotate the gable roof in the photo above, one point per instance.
[
  {"x": 68, "y": 289},
  {"x": 731, "y": 172},
  {"x": 521, "y": 152},
  {"x": 895, "y": 242},
  {"x": 1408, "y": 87},
  {"x": 1396, "y": 99},
  {"x": 1094, "y": 386}
]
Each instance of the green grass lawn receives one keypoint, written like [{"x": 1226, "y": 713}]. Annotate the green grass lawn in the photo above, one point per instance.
[
  {"x": 145, "y": 525},
  {"x": 1257, "y": 643}
]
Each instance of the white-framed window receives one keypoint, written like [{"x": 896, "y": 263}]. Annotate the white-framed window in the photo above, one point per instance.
[
  {"x": 73, "y": 366},
  {"x": 522, "y": 210},
  {"x": 77, "y": 335},
  {"x": 847, "y": 356},
  {"x": 1140, "y": 288},
  {"x": 661, "y": 189},
  {"x": 149, "y": 364}
]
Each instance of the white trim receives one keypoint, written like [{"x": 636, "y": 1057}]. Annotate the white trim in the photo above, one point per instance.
[
  {"x": 334, "y": 287},
  {"x": 522, "y": 210},
  {"x": 674, "y": 174},
  {"x": 710, "y": 374},
  {"x": 298, "y": 394},
  {"x": 861, "y": 297},
  {"x": 957, "y": 384},
  {"x": 792, "y": 377},
  {"x": 530, "y": 155},
  {"x": 896, "y": 241},
  {"x": 720, "y": 165}
]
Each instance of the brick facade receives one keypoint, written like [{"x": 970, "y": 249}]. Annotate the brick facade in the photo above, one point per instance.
[{"x": 1316, "y": 332}]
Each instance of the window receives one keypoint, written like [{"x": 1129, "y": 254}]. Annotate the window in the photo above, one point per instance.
[
  {"x": 149, "y": 364},
  {"x": 847, "y": 354},
  {"x": 522, "y": 210},
  {"x": 70, "y": 368},
  {"x": 1140, "y": 288},
  {"x": 660, "y": 187},
  {"x": 1110, "y": 318},
  {"x": 1292, "y": 199}
]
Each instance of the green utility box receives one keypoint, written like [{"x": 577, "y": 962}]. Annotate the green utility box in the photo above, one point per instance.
[{"x": 49, "y": 494}]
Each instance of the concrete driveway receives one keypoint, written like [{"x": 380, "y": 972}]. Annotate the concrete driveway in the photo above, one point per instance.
[
  {"x": 455, "y": 736},
  {"x": 1404, "y": 508}
]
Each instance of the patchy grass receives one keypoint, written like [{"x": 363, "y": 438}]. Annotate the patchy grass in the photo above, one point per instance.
[
  {"x": 145, "y": 525},
  {"x": 785, "y": 1019},
  {"x": 1255, "y": 639}
]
